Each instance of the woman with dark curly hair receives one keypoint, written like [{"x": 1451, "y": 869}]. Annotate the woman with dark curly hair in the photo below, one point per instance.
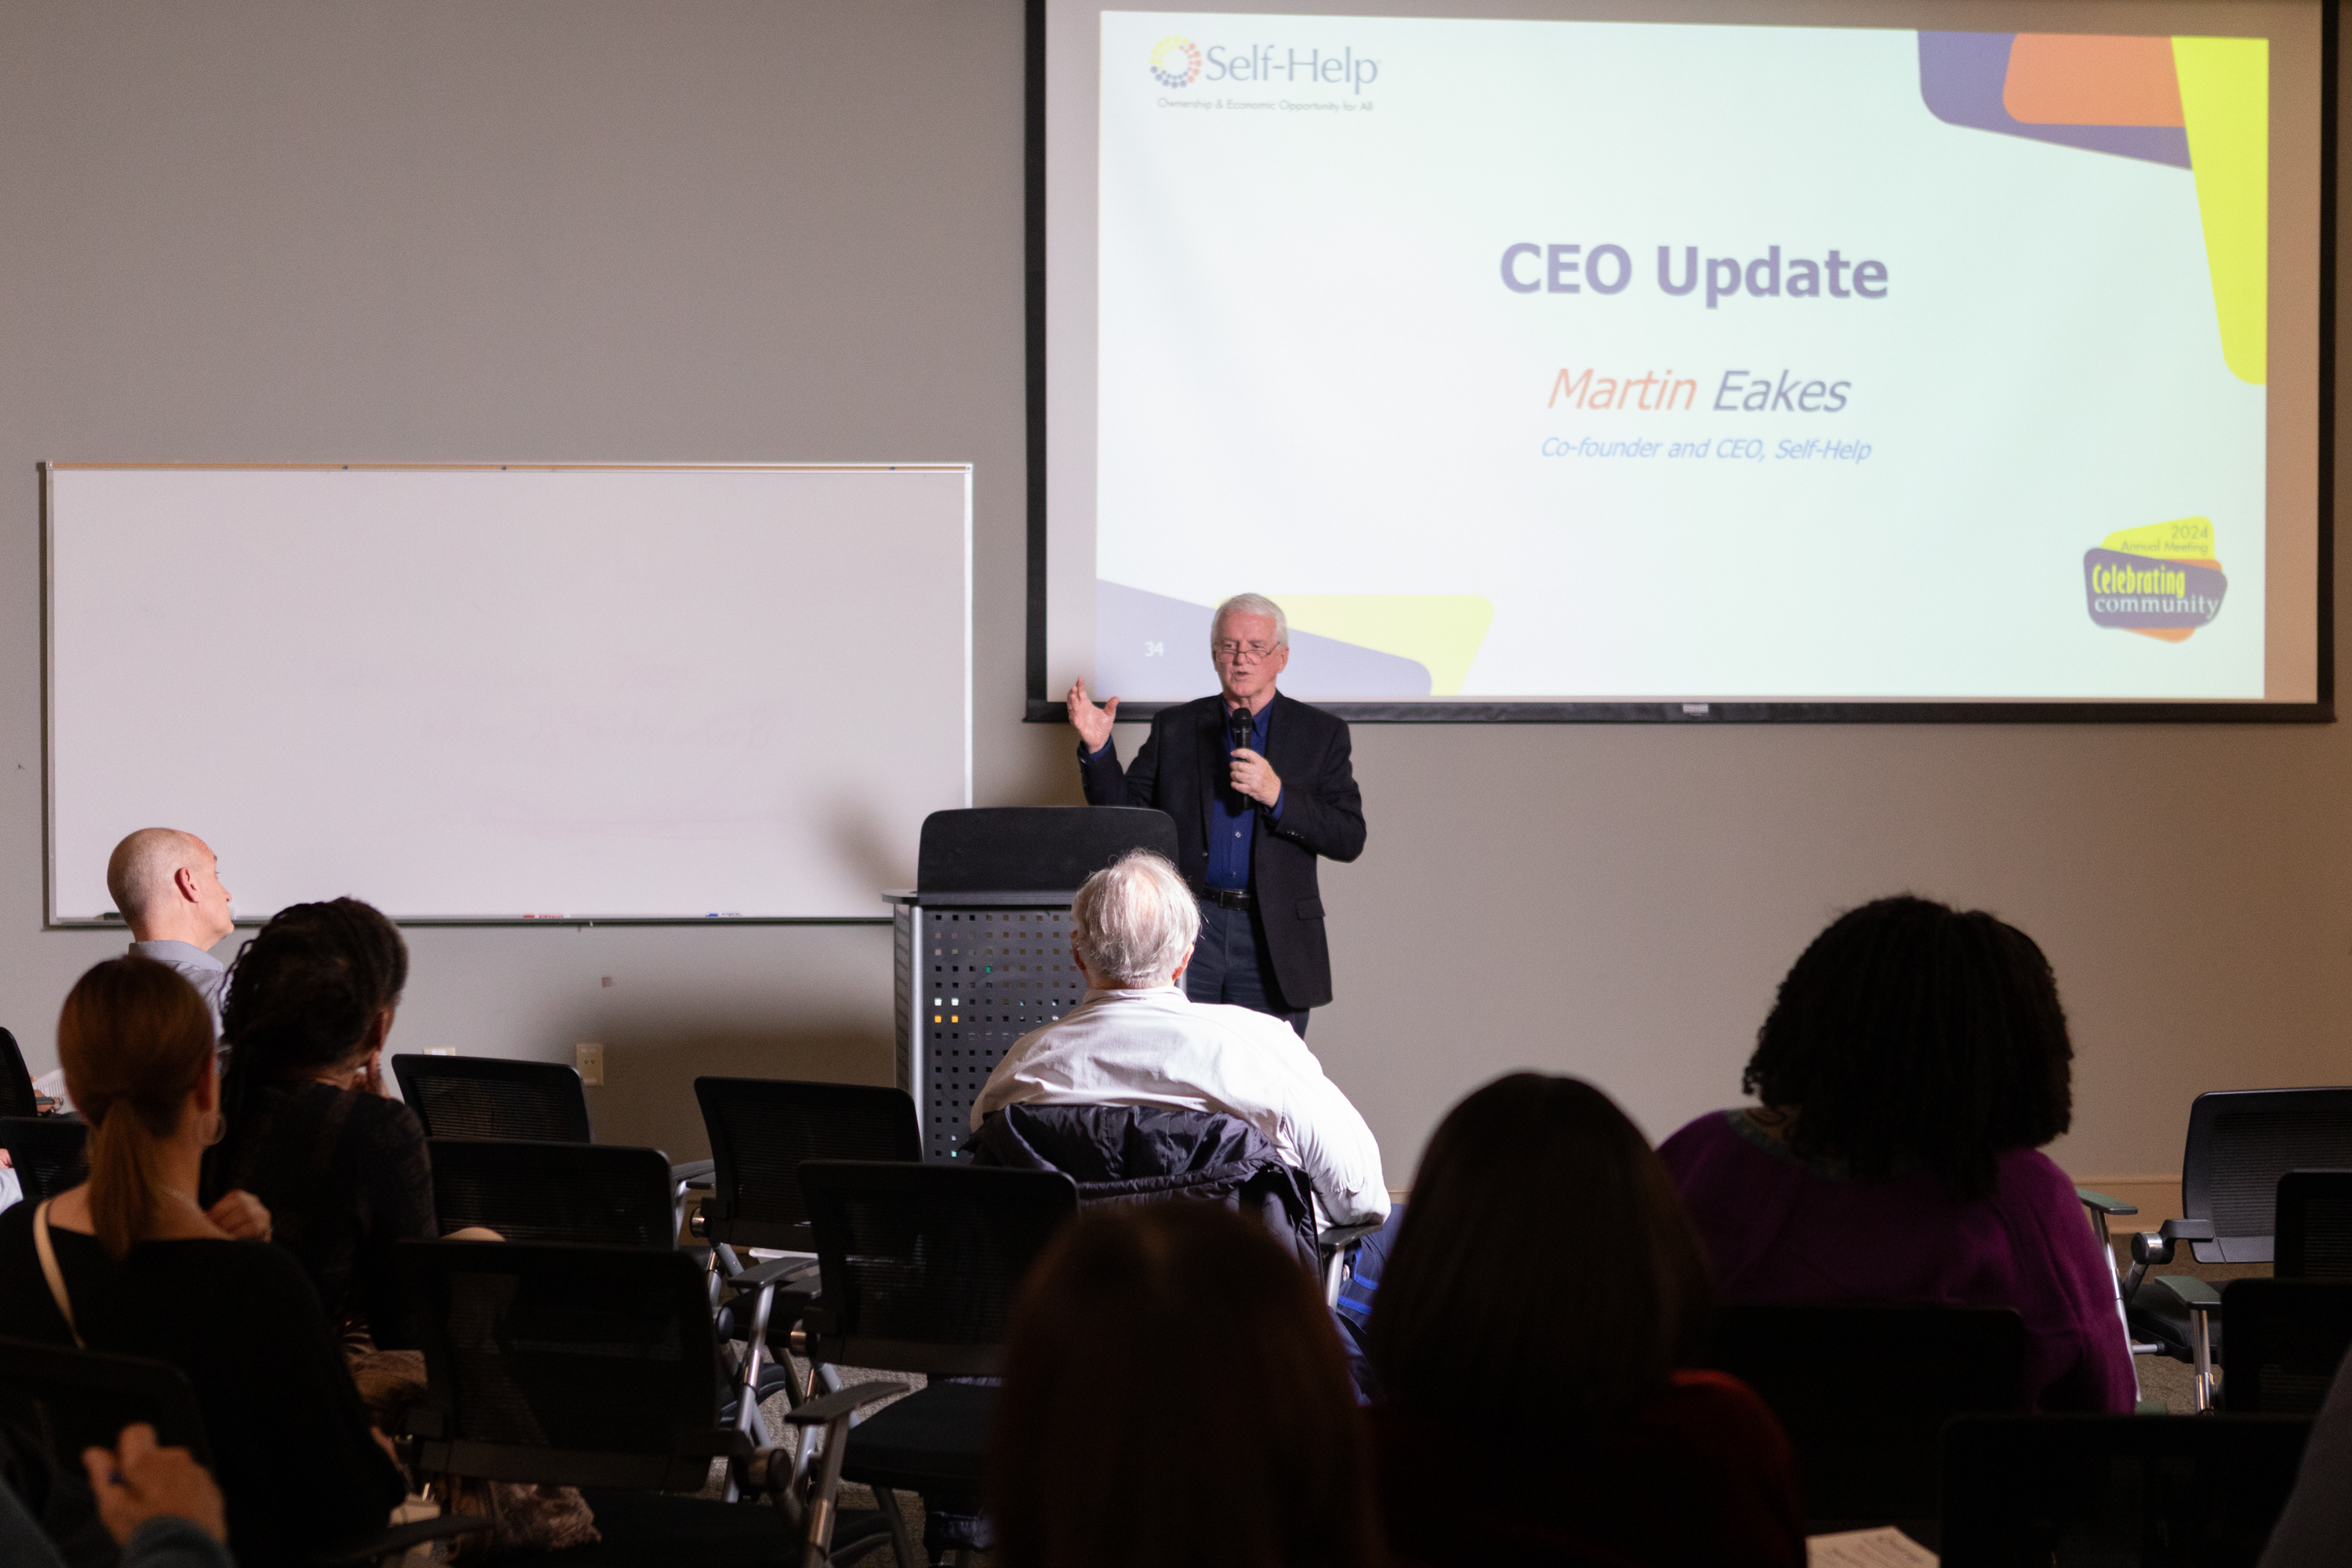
[
  {"x": 1913, "y": 1066},
  {"x": 341, "y": 1166}
]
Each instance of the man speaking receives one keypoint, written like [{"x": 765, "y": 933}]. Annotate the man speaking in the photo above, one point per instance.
[{"x": 1259, "y": 785}]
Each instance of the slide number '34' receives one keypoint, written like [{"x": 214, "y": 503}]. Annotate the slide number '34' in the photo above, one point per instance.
[{"x": 1154, "y": 650}]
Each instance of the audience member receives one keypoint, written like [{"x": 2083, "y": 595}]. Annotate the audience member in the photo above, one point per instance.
[
  {"x": 126, "y": 1262},
  {"x": 312, "y": 1132},
  {"x": 2316, "y": 1530},
  {"x": 166, "y": 886},
  {"x": 1530, "y": 1333},
  {"x": 1174, "y": 1397},
  {"x": 1137, "y": 1039},
  {"x": 1912, "y": 1066},
  {"x": 160, "y": 1506}
]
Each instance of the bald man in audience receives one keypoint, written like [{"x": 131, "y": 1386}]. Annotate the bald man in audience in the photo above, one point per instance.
[{"x": 167, "y": 885}]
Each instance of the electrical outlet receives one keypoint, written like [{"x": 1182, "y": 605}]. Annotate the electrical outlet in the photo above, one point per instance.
[{"x": 590, "y": 1060}]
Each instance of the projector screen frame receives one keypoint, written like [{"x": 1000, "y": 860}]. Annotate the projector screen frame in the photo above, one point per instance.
[
  {"x": 1045, "y": 707},
  {"x": 44, "y": 472}
]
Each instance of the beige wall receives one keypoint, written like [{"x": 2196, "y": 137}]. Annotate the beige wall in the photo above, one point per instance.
[{"x": 561, "y": 228}]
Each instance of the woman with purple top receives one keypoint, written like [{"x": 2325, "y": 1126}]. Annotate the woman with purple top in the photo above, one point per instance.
[{"x": 1913, "y": 1066}]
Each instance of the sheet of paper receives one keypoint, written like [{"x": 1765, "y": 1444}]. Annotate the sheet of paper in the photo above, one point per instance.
[{"x": 1882, "y": 1548}]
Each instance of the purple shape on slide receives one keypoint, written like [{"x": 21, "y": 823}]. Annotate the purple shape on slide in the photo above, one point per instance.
[
  {"x": 2147, "y": 593},
  {"x": 1152, "y": 649},
  {"x": 1961, "y": 76}
]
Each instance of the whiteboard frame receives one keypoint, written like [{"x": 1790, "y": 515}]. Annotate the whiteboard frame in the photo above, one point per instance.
[{"x": 114, "y": 921}]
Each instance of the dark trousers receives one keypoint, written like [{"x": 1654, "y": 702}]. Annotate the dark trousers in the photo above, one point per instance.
[{"x": 1230, "y": 965}]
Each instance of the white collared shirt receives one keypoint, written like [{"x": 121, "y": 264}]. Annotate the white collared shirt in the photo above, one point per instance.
[{"x": 1160, "y": 1047}]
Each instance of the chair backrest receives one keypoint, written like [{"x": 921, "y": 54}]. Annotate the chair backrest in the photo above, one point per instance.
[
  {"x": 762, "y": 1128},
  {"x": 2160, "y": 1493},
  {"x": 2315, "y": 1225},
  {"x": 918, "y": 1264},
  {"x": 1034, "y": 848},
  {"x": 563, "y": 1365},
  {"x": 1863, "y": 1394},
  {"x": 595, "y": 1193},
  {"x": 1137, "y": 1154},
  {"x": 485, "y": 1097},
  {"x": 2240, "y": 1141},
  {"x": 2283, "y": 1341},
  {"x": 16, "y": 1080},
  {"x": 50, "y": 1153},
  {"x": 78, "y": 1399}
]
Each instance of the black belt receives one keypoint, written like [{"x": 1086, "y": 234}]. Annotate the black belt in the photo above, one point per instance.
[{"x": 1225, "y": 897}]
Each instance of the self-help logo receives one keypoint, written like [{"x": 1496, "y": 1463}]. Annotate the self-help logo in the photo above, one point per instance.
[
  {"x": 1175, "y": 62},
  {"x": 1179, "y": 62}
]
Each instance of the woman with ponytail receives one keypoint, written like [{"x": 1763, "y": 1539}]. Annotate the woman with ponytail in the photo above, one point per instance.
[
  {"x": 341, "y": 1166},
  {"x": 128, "y": 1262}
]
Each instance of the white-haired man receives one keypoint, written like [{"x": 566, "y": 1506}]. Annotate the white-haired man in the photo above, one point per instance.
[
  {"x": 1259, "y": 785},
  {"x": 1135, "y": 1039}
]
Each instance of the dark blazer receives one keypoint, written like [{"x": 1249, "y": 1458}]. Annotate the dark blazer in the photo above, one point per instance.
[{"x": 1179, "y": 770}]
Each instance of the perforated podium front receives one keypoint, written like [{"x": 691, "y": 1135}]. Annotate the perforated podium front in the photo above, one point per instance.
[{"x": 978, "y": 966}]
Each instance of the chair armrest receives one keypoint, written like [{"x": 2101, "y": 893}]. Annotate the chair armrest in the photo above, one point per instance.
[
  {"x": 772, "y": 1271},
  {"x": 694, "y": 1172},
  {"x": 1332, "y": 1237},
  {"x": 817, "y": 1412},
  {"x": 397, "y": 1540},
  {"x": 2194, "y": 1293},
  {"x": 2099, "y": 1202}
]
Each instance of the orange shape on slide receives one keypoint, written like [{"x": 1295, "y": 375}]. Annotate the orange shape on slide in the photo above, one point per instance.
[{"x": 2059, "y": 78}]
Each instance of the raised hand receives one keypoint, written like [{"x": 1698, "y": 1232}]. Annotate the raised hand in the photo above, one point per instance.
[{"x": 1092, "y": 723}]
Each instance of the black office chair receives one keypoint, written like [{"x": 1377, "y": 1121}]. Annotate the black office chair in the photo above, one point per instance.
[
  {"x": 2241, "y": 1142},
  {"x": 920, "y": 1265},
  {"x": 1863, "y": 1394},
  {"x": 1121, "y": 1153},
  {"x": 492, "y": 1096},
  {"x": 69, "y": 1400},
  {"x": 49, "y": 1153},
  {"x": 595, "y": 1194},
  {"x": 2315, "y": 1225},
  {"x": 597, "y": 1367},
  {"x": 761, "y": 1130},
  {"x": 16, "y": 1096},
  {"x": 2157, "y": 1491},
  {"x": 2287, "y": 1337}
]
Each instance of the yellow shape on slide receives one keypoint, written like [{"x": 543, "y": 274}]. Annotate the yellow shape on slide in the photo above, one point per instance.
[
  {"x": 2225, "y": 102},
  {"x": 1441, "y": 631},
  {"x": 2182, "y": 539}
]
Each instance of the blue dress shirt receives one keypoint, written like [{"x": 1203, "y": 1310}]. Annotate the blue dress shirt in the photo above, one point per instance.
[
  {"x": 1231, "y": 813},
  {"x": 1233, "y": 816}
]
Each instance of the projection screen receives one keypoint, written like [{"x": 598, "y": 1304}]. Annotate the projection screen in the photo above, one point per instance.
[{"x": 1778, "y": 361}]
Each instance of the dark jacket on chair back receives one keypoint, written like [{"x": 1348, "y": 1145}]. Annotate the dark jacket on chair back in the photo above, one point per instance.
[{"x": 1137, "y": 1154}]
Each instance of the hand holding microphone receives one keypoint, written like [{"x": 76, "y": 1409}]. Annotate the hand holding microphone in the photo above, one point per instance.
[{"x": 1253, "y": 777}]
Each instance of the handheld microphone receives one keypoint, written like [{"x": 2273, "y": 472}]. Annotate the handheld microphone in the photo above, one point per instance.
[{"x": 1243, "y": 730}]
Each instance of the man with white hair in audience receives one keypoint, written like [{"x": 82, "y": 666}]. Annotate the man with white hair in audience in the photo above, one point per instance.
[
  {"x": 166, "y": 884},
  {"x": 1136, "y": 1038}
]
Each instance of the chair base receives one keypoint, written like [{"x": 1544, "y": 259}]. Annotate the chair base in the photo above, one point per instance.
[{"x": 656, "y": 1530}]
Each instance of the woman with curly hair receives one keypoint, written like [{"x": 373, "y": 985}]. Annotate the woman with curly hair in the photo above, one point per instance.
[
  {"x": 1913, "y": 1066},
  {"x": 341, "y": 1167}
]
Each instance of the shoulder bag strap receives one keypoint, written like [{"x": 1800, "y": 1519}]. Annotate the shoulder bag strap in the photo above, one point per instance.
[{"x": 52, "y": 1273}]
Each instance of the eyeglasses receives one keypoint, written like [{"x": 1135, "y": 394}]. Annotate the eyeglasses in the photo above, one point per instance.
[{"x": 1228, "y": 648}]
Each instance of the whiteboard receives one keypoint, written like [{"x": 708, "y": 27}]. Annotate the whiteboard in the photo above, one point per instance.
[{"x": 494, "y": 692}]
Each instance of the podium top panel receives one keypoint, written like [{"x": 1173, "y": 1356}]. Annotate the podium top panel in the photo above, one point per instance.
[{"x": 1035, "y": 848}]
